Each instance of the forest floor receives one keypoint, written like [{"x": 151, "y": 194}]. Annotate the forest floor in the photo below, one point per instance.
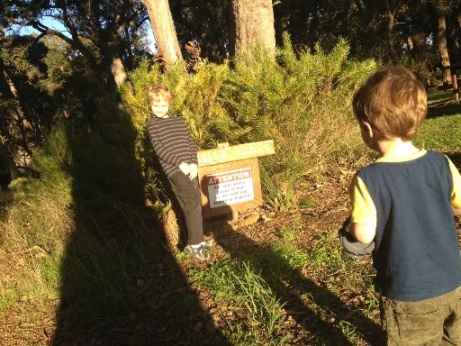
[{"x": 34, "y": 323}]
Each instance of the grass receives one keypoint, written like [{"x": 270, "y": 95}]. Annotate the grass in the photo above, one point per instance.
[
  {"x": 243, "y": 290},
  {"x": 442, "y": 133},
  {"x": 284, "y": 288},
  {"x": 295, "y": 287},
  {"x": 442, "y": 129}
]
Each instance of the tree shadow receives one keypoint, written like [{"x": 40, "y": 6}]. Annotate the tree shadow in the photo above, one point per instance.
[
  {"x": 118, "y": 284},
  {"x": 289, "y": 287},
  {"x": 443, "y": 108}
]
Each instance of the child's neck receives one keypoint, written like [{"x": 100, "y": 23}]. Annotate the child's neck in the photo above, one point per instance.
[{"x": 396, "y": 147}]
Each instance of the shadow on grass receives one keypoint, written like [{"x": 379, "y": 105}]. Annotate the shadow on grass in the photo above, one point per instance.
[
  {"x": 443, "y": 108},
  {"x": 291, "y": 285}
]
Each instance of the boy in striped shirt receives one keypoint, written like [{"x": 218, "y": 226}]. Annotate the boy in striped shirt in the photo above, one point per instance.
[{"x": 177, "y": 153}]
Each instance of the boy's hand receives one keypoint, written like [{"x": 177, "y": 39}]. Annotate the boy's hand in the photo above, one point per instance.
[
  {"x": 193, "y": 171},
  {"x": 351, "y": 247},
  {"x": 185, "y": 168}
]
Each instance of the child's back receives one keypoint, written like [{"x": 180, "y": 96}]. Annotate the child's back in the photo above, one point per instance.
[
  {"x": 405, "y": 202},
  {"x": 417, "y": 253}
]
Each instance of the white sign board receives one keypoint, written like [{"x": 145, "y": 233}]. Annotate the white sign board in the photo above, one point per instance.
[{"x": 231, "y": 187}]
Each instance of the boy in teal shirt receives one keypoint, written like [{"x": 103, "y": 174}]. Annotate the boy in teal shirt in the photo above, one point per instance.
[{"x": 405, "y": 202}]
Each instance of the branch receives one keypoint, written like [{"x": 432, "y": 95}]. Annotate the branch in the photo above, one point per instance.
[
  {"x": 74, "y": 42},
  {"x": 136, "y": 13},
  {"x": 44, "y": 30}
]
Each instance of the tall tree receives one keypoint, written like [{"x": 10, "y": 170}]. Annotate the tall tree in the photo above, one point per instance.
[
  {"x": 254, "y": 24},
  {"x": 392, "y": 8},
  {"x": 102, "y": 37},
  {"x": 23, "y": 102},
  {"x": 441, "y": 39},
  {"x": 163, "y": 29}
]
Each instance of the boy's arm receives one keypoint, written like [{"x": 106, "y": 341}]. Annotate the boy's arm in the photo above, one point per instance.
[
  {"x": 363, "y": 233},
  {"x": 193, "y": 150},
  {"x": 363, "y": 215},
  {"x": 456, "y": 192}
]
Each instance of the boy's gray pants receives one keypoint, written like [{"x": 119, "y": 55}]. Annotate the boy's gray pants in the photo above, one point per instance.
[{"x": 188, "y": 195}]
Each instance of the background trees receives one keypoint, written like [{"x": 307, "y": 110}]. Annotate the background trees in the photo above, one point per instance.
[{"x": 53, "y": 74}]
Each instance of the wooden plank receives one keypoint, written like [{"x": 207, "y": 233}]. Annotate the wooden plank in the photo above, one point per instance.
[{"x": 235, "y": 152}]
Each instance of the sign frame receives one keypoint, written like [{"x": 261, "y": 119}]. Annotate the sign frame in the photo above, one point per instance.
[{"x": 205, "y": 172}]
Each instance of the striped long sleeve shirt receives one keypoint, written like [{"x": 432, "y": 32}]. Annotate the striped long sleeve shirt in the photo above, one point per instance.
[{"x": 172, "y": 143}]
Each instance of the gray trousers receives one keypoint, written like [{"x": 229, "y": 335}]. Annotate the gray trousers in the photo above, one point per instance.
[{"x": 188, "y": 195}]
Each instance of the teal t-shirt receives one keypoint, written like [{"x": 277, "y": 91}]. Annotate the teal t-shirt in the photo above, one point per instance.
[{"x": 417, "y": 253}]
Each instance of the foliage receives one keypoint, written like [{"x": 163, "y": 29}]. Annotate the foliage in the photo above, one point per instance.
[
  {"x": 24, "y": 94},
  {"x": 195, "y": 99},
  {"x": 305, "y": 117},
  {"x": 34, "y": 226},
  {"x": 262, "y": 99},
  {"x": 385, "y": 31}
]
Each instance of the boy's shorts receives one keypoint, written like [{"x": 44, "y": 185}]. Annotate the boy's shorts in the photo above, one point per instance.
[{"x": 432, "y": 322}]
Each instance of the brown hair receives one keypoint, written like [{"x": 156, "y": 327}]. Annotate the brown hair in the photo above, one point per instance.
[
  {"x": 159, "y": 92},
  {"x": 393, "y": 102}
]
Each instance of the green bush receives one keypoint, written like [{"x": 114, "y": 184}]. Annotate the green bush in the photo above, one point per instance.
[{"x": 301, "y": 101}]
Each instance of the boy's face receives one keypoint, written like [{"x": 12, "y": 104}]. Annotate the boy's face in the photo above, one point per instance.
[{"x": 160, "y": 108}]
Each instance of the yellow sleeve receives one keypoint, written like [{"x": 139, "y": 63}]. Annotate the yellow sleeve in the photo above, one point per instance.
[
  {"x": 456, "y": 193},
  {"x": 363, "y": 207}
]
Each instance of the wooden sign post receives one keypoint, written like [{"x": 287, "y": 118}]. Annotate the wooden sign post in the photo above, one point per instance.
[{"x": 229, "y": 177}]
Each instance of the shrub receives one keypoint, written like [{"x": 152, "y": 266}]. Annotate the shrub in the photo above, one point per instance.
[{"x": 301, "y": 101}]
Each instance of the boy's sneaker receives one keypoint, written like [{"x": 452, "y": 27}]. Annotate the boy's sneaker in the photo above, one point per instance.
[{"x": 199, "y": 253}]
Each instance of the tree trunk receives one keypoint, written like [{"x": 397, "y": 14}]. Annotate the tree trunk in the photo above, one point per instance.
[
  {"x": 12, "y": 168},
  {"x": 19, "y": 133},
  {"x": 231, "y": 28},
  {"x": 390, "y": 32},
  {"x": 163, "y": 29},
  {"x": 442, "y": 41},
  {"x": 254, "y": 24},
  {"x": 117, "y": 68}
]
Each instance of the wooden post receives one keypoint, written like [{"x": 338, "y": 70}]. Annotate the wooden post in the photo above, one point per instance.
[{"x": 454, "y": 81}]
